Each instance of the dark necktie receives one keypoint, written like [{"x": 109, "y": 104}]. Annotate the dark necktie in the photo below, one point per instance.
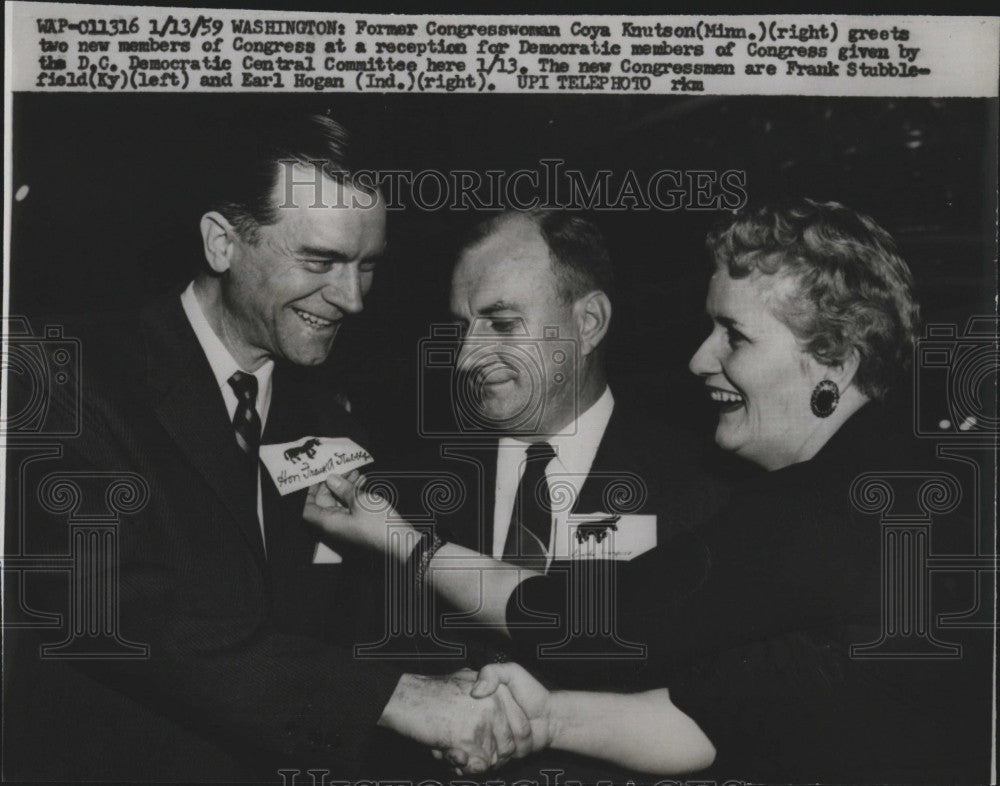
[
  {"x": 531, "y": 521},
  {"x": 246, "y": 421}
]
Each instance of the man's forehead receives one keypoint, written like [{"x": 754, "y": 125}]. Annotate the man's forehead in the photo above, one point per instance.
[
  {"x": 515, "y": 238},
  {"x": 482, "y": 281},
  {"x": 304, "y": 187},
  {"x": 325, "y": 211}
]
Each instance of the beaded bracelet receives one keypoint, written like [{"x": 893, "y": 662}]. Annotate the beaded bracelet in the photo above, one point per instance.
[{"x": 420, "y": 558}]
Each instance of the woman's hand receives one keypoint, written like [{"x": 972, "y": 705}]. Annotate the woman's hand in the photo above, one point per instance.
[
  {"x": 342, "y": 509},
  {"x": 524, "y": 697},
  {"x": 534, "y": 698}
]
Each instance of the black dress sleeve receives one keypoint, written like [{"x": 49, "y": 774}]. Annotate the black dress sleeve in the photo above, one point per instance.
[{"x": 773, "y": 561}]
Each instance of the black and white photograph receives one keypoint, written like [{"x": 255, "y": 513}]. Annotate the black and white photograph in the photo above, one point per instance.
[{"x": 482, "y": 399}]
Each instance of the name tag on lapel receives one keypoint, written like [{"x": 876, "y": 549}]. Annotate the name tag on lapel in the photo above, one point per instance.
[
  {"x": 306, "y": 461},
  {"x": 606, "y": 536}
]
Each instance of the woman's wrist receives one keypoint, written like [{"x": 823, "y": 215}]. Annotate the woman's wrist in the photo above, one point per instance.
[
  {"x": 561, "y": 717},
  {"x": 419, "y": 561},
  {"x": 401, "y": 540}
]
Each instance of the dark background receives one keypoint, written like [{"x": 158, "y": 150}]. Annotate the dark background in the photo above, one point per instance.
[{"x": 117, "y": 184}]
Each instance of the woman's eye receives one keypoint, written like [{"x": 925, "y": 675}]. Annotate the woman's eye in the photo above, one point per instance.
[{"x": 735, "y": 337}]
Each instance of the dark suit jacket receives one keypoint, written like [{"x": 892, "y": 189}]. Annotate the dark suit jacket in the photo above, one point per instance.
[
  {"x": 642, "y": 466},
  {"x": 250, "y": 663}
]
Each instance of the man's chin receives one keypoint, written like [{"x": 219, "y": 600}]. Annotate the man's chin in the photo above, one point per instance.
[
  {"x": 308, "y": 356},
  {"x": 498, "y": 417}
]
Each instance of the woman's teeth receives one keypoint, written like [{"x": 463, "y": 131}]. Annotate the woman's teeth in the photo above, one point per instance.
[{"x": 725, "y": 397}]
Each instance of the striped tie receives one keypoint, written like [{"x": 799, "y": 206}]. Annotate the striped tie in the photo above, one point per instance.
[{"x": 246, "y": 421}]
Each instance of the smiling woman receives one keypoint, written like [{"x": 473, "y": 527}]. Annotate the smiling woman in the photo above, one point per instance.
[
  {"x": 752, "y": 617},
  {"x": 810, "y": 304}
]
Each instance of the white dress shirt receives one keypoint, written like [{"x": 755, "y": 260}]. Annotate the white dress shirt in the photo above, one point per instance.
[
  {"x": 224, "y": 366},
  {"x": 575, "y": 446}
]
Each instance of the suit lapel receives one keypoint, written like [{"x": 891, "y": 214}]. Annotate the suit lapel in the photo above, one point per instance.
[
  {"x": 490, "y": 497},
  {"x": 290, "y": 418},
  {"x": 611, "y": 459},
  {"x": 190, "y": 407},
  {"x": 477, "y": 466}
]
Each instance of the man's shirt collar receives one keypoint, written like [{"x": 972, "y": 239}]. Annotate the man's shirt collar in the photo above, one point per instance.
[{"x": 223, "y": 364}]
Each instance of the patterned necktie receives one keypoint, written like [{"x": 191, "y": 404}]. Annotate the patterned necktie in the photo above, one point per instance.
[
  {"x": 531, "y": 521},
  {"x": 246, "y": 421}
]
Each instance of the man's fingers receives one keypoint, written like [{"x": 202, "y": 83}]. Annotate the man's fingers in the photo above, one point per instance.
[
  {"x": 457, "y": 757},
  {"x": 476, "y": 765},
  {"x": 467, "y": 674},
  {"x": 520, "y": 725}
]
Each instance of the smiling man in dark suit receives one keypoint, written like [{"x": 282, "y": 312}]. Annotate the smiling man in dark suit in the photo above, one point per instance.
[
  {"x": 533, "y": 291},
  {"x": 249, "y": 636}
]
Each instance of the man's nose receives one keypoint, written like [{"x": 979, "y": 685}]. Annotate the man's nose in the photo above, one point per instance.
[
  {"x": 705, "y": 360},
  {"x": 344, "y": 288}
]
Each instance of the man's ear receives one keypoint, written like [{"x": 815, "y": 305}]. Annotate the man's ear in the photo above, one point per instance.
[
  {"x": 592, "y": 314},
  {"x": 219, "y": 241}
]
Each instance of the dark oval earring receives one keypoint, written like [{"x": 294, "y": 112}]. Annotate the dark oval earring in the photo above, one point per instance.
[{"x": 825, "y": 397}]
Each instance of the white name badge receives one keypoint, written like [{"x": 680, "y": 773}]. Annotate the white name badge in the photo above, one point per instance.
[
  {"x": 606, "y": 536},
  {"x": 307, "y": 461}
]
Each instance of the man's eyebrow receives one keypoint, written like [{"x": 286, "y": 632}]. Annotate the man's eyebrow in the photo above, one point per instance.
[
  {"x": 323, "y": 253},
  {"x": 498, "y": 306}
]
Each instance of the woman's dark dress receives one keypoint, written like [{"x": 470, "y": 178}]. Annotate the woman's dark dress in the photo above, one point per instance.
[{"x": 750, "y": 620}]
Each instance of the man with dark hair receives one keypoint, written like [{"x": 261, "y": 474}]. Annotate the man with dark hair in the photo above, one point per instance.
[
  {"x": 245, "y": 639},
  {"x": 510, "y": 285}
]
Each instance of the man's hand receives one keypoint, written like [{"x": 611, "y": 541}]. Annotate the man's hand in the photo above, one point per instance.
[
  {"x": 474, "y": 733},
  {"x": 531, "y": 696},
  {"x": 342, "y": 509}
]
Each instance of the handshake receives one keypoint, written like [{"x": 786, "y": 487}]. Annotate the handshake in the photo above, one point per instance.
[{"x": 475, "y": 722}]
